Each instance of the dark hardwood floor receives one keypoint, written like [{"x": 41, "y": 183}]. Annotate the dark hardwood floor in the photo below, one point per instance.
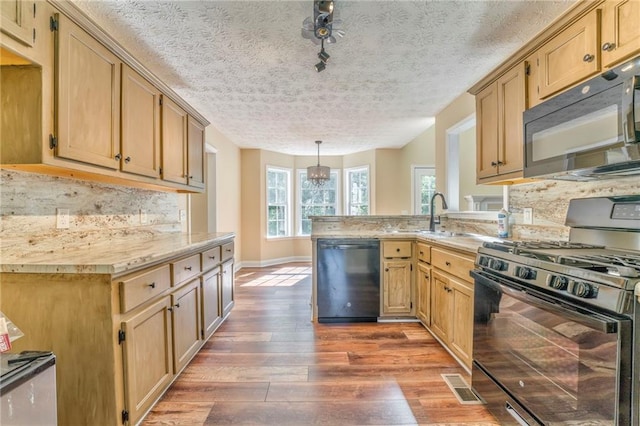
[{"x": 268, "y": 364}]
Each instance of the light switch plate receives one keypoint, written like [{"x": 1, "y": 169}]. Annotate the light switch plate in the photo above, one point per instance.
[
  {"x": 62, "y": 218},
  {"x": 143, "y": 217},
  {"x": 183, "y": 216},
  {"x": 527, "y": 216}
]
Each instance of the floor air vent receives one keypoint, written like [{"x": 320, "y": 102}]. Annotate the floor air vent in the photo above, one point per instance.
[{"x": 461, "y": 389}]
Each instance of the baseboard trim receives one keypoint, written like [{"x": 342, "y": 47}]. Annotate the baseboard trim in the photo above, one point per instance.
[{"x": 272, "y": 262}]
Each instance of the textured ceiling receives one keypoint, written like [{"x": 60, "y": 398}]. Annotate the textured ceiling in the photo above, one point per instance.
[{"x": 245, "y": 66}]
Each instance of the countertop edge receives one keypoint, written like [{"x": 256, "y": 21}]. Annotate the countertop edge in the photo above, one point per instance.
[{"x": 173, "y": 246}]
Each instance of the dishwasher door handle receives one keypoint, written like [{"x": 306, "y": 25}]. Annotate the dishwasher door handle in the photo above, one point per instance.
[{"x": 339, "y": 246}]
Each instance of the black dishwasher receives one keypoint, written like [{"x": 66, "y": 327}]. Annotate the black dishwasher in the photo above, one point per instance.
[{"x": 348, "y": 280}]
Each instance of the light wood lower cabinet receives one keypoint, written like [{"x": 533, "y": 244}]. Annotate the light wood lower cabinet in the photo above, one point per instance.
[
  {"x": 452, "y": 301},
  {"x": 452, "y": 314},
  {"x": 119, "y": 340},
  {"x": 424, "y": 294},
  {"x": 227, "y": 293},
  {"x": 397, "y": 282},
  {"x": 148, "y": 357},
  {"x": 185, "y": 315},
  {"x": 396, "y": 287},
  {"x": 211, "y": 306}
]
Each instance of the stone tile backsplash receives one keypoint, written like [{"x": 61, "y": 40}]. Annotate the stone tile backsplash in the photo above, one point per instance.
[{"x": 28, "y": 204}]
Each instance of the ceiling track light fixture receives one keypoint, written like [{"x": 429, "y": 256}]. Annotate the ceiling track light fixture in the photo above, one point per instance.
[
  {"x": 318, "y": 175},
  {"x": 324, "y": 57}
]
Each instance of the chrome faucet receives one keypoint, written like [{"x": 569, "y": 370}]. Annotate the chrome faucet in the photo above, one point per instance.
[{"x": 432, "y": 222}]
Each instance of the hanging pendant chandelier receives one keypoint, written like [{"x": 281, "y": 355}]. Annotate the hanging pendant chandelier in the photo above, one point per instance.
[{"x": 318, "y": 175}]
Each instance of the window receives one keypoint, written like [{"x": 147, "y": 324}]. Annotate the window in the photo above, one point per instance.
[
  {"x": 278, "y": 202},
  {"x": 424, "y": 186},
  {"x": 357, "y": 191},
  {"x": 314, "y": 201}
]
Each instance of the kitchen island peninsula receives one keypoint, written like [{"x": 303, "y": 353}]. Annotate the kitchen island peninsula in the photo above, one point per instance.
[{"x": 123, "y": 316}]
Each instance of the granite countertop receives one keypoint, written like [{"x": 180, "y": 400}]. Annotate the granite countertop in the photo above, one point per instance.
[
  {"x": 113, "y": 255},
  {"x": 460, "y": 241}
]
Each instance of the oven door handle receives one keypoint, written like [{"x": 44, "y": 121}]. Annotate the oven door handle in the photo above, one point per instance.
[{"x": 588, "y": 319}]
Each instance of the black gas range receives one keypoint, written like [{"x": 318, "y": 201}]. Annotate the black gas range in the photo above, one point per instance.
[
  {"x": 589, "y": 274},
  {"x": 554, "y": 320}
]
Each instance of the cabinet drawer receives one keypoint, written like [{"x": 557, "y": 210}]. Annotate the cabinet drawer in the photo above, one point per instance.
[
  {"x": 210, "y": 258},
  {"x": 227, "y": 251},
  {"x": 424, "y": 252},
  {"x": 138, "y": 288},
  {"x": 396, "y": 249},
  {"x": 185, "y": 269},
  {"x": 452, "y": 263}
]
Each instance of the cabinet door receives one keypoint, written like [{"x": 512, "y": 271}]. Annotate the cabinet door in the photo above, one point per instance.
[
  {"x": 226, "y": 287},
  {"x": 396, "y": 297},
  {"x": 148, "y": 358},
  {"x": 88, "y": 98},
  {"x": 211, "y": 309},
  {"x": 140, "y": 125},
  {"x": 195, "y": 150},
  {"x": 461, "y": 332},
  {"x": 487, "y": 132},
  {"x": 174, "y": 142},
  {"x": 186, "y": 323},
  {"x": 511, "y": 105},
  {"x": 424, "y": 294},
  {"x": 441, "y": 305},
  {"x": 17, "y": 20},
  {"x": 571, "y": 56},
  {"x": 620, "y": 30}
]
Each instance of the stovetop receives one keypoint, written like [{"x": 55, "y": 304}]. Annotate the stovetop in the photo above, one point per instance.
[
  {"x": 621, "y": 263},
  {"x": 590, "y": 274}
]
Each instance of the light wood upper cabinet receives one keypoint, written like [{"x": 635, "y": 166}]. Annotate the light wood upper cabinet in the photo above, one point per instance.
[
  {"x": 148, "y": 357},
  {"x": 87, "y": 79},
  {"x": 195, "y": 151},
  {"x": 499, "y": 109},
  {"x": 570, "y": 56},
  {"x": 140, "y": 125},
  {"x": 18, "y": 20},
  {"x": 174, "y": 142},
  {"x": 620, "y": 36},
  {"x": 487, "y": 132}
]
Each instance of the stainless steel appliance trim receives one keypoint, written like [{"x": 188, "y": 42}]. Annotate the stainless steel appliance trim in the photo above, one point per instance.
[
  {"x": 589, "y": 319},
  {"x": 513, "y": 413}
]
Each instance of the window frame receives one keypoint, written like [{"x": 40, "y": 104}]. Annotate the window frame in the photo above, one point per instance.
[
  {"x": 348, "y": 202},
  {"x": 416, "y": 190},
  {"x": 287, "y": 204},
  {"x": 298, "y": 207}
]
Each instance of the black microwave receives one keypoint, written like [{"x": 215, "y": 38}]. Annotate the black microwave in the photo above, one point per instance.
[{"x": 591, "y": 131}]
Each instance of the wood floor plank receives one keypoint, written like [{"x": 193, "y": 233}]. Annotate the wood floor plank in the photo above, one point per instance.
[
  {"x": 395, "y": 412},
  {"x": 268, "y": 364},
  {"x": 186, "y": 391}
]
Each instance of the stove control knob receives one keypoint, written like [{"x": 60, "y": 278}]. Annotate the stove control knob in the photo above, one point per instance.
[
  {"x": 582, "y": 289},
  {"x": 498, "y": 265},
  {"x": 525, "y": 273},
  {"x": 558, "y": 282}
]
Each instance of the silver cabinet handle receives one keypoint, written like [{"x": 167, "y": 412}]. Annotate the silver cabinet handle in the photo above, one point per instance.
[
  {"x": 126, "y": 160},
  {"x": 588, "y": 57},
  {"x": 118, "y": 157},
  {"x": 187, "y": 268},
  {"x": 152, "y": 285},
  {"x": 608, "y": 47}
]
